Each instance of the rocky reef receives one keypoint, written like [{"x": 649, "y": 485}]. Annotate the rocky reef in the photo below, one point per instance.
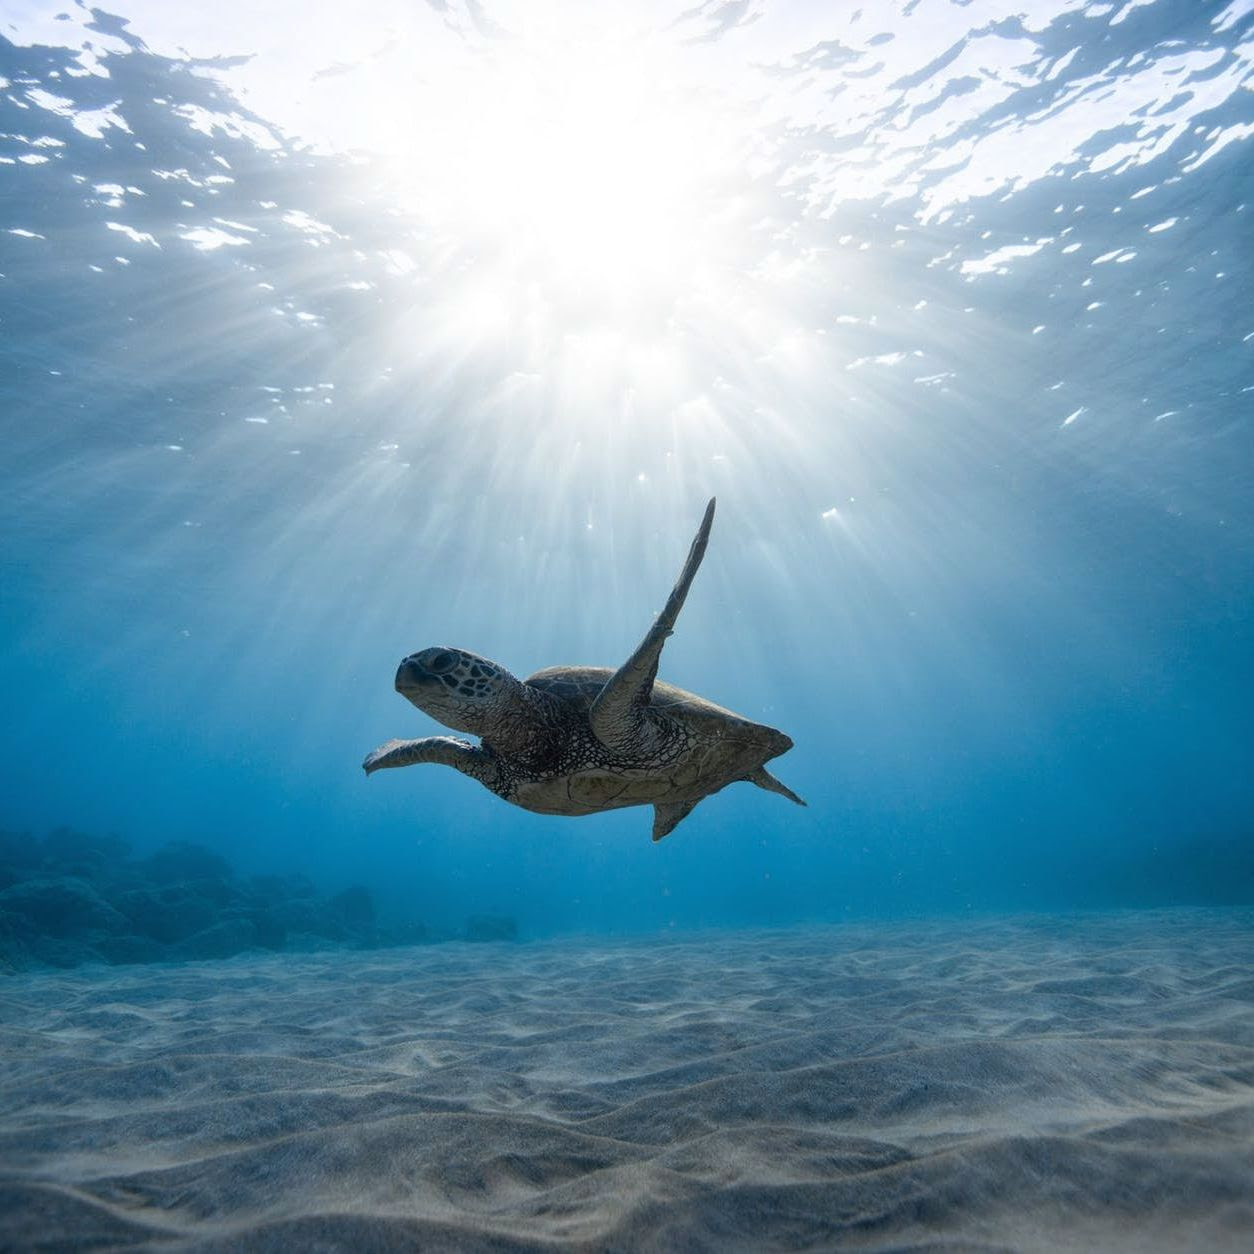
[{"x": 73, "y": 898}]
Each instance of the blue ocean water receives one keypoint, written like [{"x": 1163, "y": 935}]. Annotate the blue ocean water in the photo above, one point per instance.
[{"x": 440, "y": 326}]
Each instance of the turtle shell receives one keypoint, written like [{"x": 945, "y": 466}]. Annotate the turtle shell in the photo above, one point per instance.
[{"x": 724, "y": 747}]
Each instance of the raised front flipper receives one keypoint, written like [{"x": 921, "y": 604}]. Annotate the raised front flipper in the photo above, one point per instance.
[
  {"x": 617, "y": 713},
  {"x": 442, "y": 750}
]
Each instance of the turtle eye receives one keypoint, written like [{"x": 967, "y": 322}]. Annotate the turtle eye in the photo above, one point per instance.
[{"x": 443, "y": 661}]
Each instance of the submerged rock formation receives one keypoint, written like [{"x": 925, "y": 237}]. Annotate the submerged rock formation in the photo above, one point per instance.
[
  {"x": 491, "y": 927},
  {"x": 72, "y": 898}
]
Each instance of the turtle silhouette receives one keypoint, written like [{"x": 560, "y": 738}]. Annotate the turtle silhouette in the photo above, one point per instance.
[{"x": 577, "y": 740}]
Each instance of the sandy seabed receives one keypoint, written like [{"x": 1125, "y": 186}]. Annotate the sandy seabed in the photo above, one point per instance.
[{"x": 1037, "y": 1083}]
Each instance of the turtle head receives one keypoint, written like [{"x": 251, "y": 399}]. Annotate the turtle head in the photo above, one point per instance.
[{"x": 459, "y": 689}]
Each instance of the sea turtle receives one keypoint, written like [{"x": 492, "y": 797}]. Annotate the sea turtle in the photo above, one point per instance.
[{"x": 581, "y": 739}]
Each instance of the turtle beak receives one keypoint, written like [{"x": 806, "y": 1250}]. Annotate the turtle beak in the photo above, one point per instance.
[{"x": 410, "y": 674}]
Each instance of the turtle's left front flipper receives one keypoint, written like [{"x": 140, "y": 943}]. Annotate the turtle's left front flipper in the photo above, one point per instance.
[
  {"x": 616, "y": 714},
  {"x": 442, "y": 750}
]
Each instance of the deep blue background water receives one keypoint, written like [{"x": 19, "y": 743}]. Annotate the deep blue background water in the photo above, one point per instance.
[{"x": 996, "y": 581}]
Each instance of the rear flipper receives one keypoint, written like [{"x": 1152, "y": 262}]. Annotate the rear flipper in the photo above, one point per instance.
[
  {"x": 666, "y": 817},
  {"x": 764, "y": 779}
]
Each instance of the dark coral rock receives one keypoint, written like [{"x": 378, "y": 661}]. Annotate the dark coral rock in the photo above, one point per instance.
[
  {"x": 222, "y": 940},
  {"x": 267, "y": 890},
  {"x": 61, "y": 907},
  {"x": 299, "y": 886},
  {"x": 180, "y": 903},
  {"x": 491, "y": 927},
  {"x": 308, "y": 917},
  {"x": 62, "y": 951},
  {"x": 166, "y": 914},
  {"x": 271, "y": 929},
  {"x": 123, "y": 949},
  {"x": 181, "y": 861},
  {"x": 13, "y": 952},
  {"x": 406, "y": 934},
  {"x": 20, "y": 856},
  {"x": 221, "y": 893},
  {"x": 355, "y": 906},
  {"x": 309, "y": 943},
  {"x": 67, "y": 852}
]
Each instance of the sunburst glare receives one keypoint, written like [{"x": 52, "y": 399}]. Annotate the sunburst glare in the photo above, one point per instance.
[{"x": 580, "y": 168}]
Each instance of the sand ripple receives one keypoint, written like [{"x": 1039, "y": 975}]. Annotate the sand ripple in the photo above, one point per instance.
[{"x": 1028, "y": 1084}]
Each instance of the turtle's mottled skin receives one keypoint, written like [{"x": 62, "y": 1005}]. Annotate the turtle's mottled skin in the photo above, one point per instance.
[{"x": 580, "y": 739}]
